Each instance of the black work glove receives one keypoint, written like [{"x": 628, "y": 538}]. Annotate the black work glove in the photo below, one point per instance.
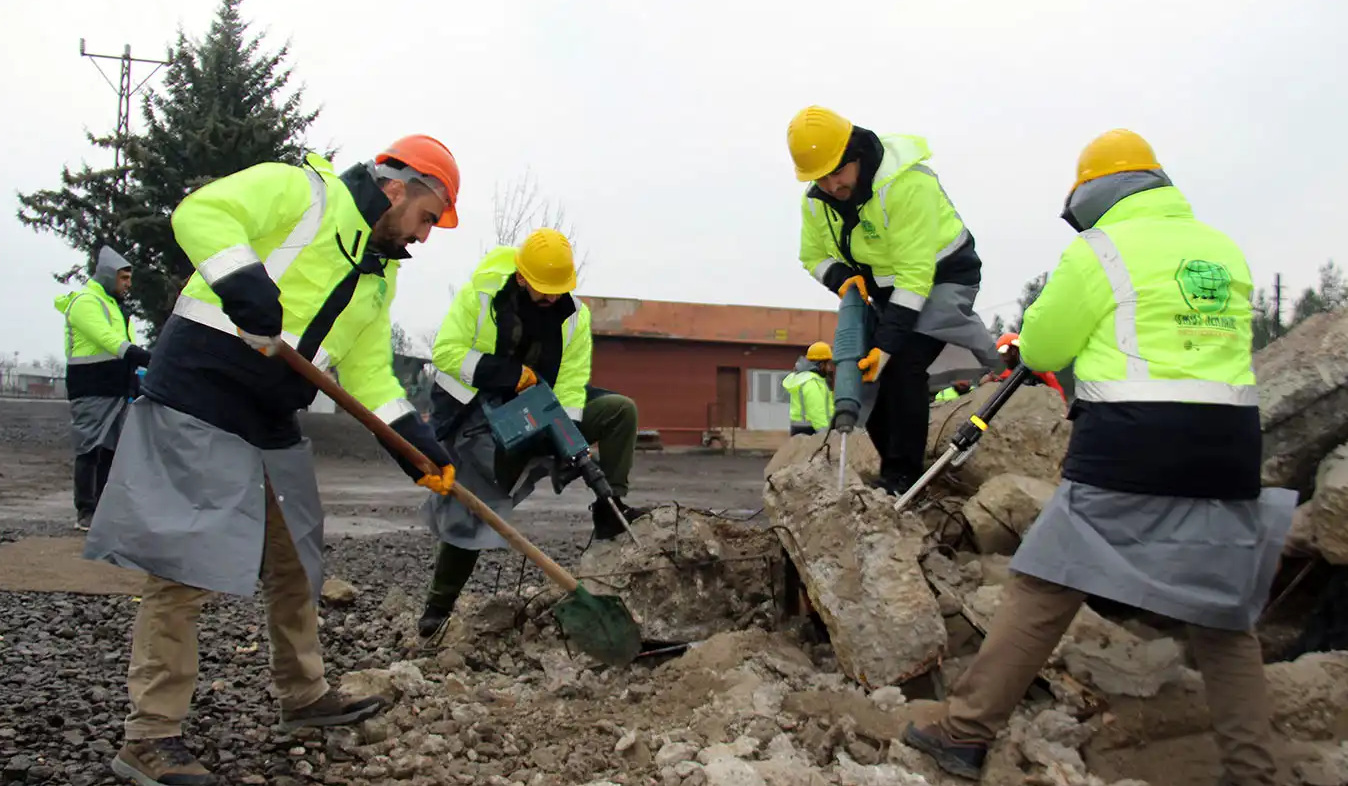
[
  {"x": 251, "y": 300},
  {"x": 418, "y": 432},
  {"x": 140, "y": 358}
]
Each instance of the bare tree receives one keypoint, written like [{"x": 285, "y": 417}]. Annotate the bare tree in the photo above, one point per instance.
[
  {"x": 53, "y": 365},
  {"x": 520, "y": 208}
]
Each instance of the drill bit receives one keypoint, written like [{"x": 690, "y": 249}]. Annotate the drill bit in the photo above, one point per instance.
[
  {"x": 842, "y": 461},
  {"x": 623, "y": 520}
]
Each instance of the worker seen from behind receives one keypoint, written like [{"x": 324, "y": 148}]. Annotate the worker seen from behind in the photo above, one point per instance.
[
  {"x": 875, "y": 217},
  {"x": 514, "y": 323},
  {"x": 1008, "y": 346},
  {"x": 213, "y": 485},
  {"x": 809, "y": 386},
  {"x": 101, "y": 361},
  {"x": 956, "y": 389},
  {"x": 1160, "y": 506}
]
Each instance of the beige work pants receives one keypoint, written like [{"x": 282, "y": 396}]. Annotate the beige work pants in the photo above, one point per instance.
[
  {"x": 1033, "y": 617},
  {"x": 163, "y": 671}
]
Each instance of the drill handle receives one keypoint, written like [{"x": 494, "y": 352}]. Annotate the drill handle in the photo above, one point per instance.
[{"x": 972, "y": 429}]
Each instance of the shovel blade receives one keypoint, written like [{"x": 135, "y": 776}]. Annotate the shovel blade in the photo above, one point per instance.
[{"x": 600, "y": 626}]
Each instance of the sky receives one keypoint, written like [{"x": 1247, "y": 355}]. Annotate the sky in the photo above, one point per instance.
[{"x": 662, "y": 126}]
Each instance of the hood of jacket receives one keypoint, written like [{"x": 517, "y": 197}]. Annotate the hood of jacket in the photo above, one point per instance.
[
  {"x": 1089, "y": 202},
  {"x": 110, "y": 263}
]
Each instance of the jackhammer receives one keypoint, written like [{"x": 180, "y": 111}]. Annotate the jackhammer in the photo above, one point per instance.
[{"x": 850, "y": 344}]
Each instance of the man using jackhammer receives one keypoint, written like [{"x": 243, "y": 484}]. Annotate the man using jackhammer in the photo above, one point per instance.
[
  {"x": 514, "y": 323},
  {"x": 213, "y": 485},
  {"x": 875, "y": 217},
  {"x": 808, "y": 386},
  {"x": 1160, "y": 506},
  {"x": 101, "y": 362}
]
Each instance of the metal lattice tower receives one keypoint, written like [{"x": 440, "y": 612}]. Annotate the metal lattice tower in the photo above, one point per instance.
[{"x": 124, "y": 92}]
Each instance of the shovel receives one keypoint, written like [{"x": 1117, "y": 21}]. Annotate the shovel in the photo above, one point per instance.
[{"x": 599, "y": 625}]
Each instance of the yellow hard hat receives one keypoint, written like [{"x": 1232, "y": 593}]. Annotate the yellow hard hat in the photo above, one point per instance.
[
  {"x": 1112, "y": 152},
  {"x": 819, "y": 351},
  {"x": 546, "y": 262},
  {"x": 817, "y": 138}
]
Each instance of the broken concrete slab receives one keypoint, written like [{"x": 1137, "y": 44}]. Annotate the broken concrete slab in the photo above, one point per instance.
[
  {"x": 1301, "y": 537},
  {"x": 1003, "y": 509},
  {"x": 1028, "y": 437},
  {"x": 692, "y": 576},
  {"x": 1303, "y": 399},
  {"x": 858, "y": 560},
  {"x": 1328, "y": 514},
  {"x": 1310, "y": 695},
  {"x": 861, "y": 456}
]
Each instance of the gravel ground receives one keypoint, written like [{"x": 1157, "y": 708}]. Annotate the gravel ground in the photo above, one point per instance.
[{"x": 63, "y": 657}]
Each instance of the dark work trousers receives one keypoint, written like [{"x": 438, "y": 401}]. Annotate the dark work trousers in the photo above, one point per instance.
[
  {"x": 898, "y": 423},
  {"x": 91, "y": 475}
]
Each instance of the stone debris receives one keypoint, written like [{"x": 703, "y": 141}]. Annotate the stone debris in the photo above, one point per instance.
[
  {"x": 1327, "y": 517},
  {"x": 1003, "y": 509},
  {"x": 1303, "y": 399},
  {"x": 858, "y": 560},
  {"x": 693, "y": 576},
  {"x": 1029, "y": 436},
  {"x": 339, "y": 593},
  {"x": 862, "y": 459}
]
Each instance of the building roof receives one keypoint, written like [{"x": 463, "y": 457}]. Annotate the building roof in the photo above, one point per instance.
[{"x": 659, "y": 319}]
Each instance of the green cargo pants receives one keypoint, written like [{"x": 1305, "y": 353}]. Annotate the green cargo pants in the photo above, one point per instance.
[{"x": 609, "y": 421}]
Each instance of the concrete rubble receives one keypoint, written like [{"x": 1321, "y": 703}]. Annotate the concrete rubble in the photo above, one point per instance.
[
  {"x": 1003, "y": 509},
  {"x": 861, "y": 456},
  {"x": 858, "y": 560},
  {"x": 1326, "y": 520},
  {"x": 1029, "y": 436}
]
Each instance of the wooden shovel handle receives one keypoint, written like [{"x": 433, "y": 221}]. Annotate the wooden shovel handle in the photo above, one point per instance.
[{"x": 386, "y": 434}]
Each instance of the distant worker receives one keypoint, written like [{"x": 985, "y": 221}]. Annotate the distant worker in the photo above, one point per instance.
[
  {"x": 1160, "y": 506},
  {"x": 213, "y": 486},
  {"x": 514, "y": 323},
  {"x": 1008, "y": 346},
  {"x": 876, "y": 218},
  {"x": 958, "y": 388},
  {"x": 101, "y": 362},
  {"x": 809, "y": 386}
]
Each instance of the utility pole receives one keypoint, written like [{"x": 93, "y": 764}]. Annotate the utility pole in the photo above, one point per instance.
[
  {"x": 124, "y": 93},
  {"x": 1277, "y": 304}
]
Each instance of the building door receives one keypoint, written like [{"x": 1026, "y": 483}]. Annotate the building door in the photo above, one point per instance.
[
  {"x": 769, "y": 405},
  {"x": 726, "y": 413}
]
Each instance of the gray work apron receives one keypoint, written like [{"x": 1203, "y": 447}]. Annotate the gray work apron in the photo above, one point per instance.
[
  {"x": 186, "y": 501},
  {"x": 96, "y": 422},
  {"x": 1204, "y": 561},
  {"x": 948, "y": 315},
  {"x": 472, "y": 451}
]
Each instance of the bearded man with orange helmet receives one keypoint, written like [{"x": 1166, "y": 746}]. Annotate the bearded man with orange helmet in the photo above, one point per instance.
[
  {"x": 213, "y": 483},
  {"x": 1161, "y": 506},
  {"x": 514, "y": 323},
  {"x": 876, "y": 218}
]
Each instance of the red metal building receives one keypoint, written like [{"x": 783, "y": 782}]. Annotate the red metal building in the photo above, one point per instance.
[{"x": 694, "y": 368}]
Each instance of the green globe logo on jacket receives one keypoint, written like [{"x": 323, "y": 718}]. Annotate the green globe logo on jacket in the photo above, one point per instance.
[{"x": 1206, "y": 286}]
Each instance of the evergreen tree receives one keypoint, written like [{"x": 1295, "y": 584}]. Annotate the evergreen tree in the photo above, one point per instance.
[
  {"x": 998, "y": 326},
  {"x": 1331, "y": 295},
  {"x": 222, "y": 108},
  {"x": 1265, "y": 324}
]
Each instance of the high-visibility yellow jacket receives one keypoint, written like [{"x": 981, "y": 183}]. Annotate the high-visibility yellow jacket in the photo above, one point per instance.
[
  {"x": 98, "y": 339},
  {"x": 1154, "y": 306},
  {"x": 811, "y": 399},
  {"x": 305, "y": 231},
  {"x": 473, "y": 353}
]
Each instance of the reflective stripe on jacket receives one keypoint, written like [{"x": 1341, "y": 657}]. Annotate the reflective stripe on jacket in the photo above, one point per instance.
[{"x": 1154, "y": 306}]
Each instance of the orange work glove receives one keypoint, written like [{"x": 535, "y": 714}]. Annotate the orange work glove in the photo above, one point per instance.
[
  {"x": 859, "y": 283},
  {"x": 440, "y": 484},
  {"x": 871, "y": 365},
  {"x": 527, "y": 379}
]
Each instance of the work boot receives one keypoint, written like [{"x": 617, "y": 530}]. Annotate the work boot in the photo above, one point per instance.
[
  {"x": 963, "y": 758},
  {"x": 436, "y": 613},
  {"x": 334, "y": 708},
  {"x": 893, "y": 485},
  {"x": 606, "y": 523},
  {"x": 84, "y": 521},
  {"x": 161, "y": 762}
]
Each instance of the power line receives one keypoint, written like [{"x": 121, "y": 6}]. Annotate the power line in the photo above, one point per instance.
[{"x": 124, "y": 92}]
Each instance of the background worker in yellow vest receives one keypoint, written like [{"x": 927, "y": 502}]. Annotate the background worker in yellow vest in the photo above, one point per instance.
[
  {"x": 514, "y": 323},
  {"x": 876, "y": 218},
  {"x": 101, "y": 362},
  {"x": 809, "y": 386},
  {"x": 1160, "y": 506},
  {"x": 213, "y": 486}
]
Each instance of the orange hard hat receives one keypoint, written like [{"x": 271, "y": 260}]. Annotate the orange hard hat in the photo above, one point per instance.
[
  {"x": 430, "y": 158},
  {"x": 1007, "y": 340}
]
